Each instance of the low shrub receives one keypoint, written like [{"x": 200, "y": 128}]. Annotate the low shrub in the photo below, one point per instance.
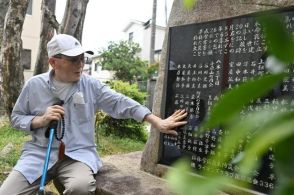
[{"x": 128, "y": 128}]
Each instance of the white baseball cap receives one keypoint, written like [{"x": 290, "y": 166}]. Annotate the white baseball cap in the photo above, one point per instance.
[{"x": 66, "y": 45}]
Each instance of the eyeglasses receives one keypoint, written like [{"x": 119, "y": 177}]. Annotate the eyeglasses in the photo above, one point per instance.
[{"x": 74, "y": 60}]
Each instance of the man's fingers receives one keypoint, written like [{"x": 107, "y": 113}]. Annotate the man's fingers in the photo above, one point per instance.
[
  {"x": 180, "y": 123},
  {"x": 171, "y": 132},
  {"x": 180, "y": 117},
  {"x": 174, "y": 125},
  {"x": 58, "y": 109},
  {"x": 176, "y": 113},
  {"x": 179, "y": 112}
]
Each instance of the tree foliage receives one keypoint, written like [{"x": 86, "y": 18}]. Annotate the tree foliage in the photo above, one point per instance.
[{"x": 122, "y": 58}]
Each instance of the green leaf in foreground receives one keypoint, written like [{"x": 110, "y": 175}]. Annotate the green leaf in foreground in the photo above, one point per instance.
[
  {"x": 279, "y": 40},
  {"x": 238, "y": 131},
  {"x": 184, "y": 182},
  {"x": 234, "y": 100},
  {"x": 284, "y": 157},
  {"x": 270, "y": 134},
  {"x": 189, "y": 4},
  {"x": 266, "y": 128}
]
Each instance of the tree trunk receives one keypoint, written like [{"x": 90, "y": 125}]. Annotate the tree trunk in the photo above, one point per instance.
[
  {"x": 3, "y": 9},
  {"x": 153, "y": 33},
  {"x": 47, "y": 31},
  {"x": 151, "y": 54},
  {"x": 73, "y": 19},
  {"x": 165, "y": 12},
  {"x": 12, "y": 71}
]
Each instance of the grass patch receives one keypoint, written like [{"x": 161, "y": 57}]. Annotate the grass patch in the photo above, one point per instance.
[
  {"x": 10, "y": 136},
  {"x": 108, "y": 145}
]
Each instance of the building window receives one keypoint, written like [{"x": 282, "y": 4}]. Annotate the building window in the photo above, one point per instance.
[
  {"x": 157, "y": 55},
  {"x": 131, "y": 36},
  {"x": 30, "y": 7},
  {"x": 96, "y": 67},
  {"x": 147, "y": 24},
  {"x": 26, "y": 58}
]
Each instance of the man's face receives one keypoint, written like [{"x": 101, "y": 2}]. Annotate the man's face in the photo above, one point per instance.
[{"x": 67, "y": 68}]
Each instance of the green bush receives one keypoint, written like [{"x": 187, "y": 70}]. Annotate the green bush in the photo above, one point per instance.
[
  {"x": 130, "y": 90},
  {"x": 129, "y": 128},
  {"x": 152, "y": 70}
]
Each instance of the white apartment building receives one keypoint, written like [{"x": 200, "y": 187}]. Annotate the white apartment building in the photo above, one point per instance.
[
  {"x": 140, "y": 32},
  {"x": 30, "y": 37}
]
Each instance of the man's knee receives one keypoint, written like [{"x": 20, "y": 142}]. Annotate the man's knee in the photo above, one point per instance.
[
  {"x": 80, "y": 186},
  {"x": 16, "y": 183}
]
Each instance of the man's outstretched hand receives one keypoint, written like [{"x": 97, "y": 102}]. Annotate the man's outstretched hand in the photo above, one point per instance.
[{"x": 169, "y": 124}]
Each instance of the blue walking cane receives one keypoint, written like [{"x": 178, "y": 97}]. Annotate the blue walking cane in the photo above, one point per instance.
[{"x": 52, "y": 127}]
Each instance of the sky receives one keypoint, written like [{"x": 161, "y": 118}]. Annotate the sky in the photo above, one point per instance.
[{"x": 106, "y": 19}]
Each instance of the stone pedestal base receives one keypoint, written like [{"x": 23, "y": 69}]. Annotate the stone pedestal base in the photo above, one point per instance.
[{"x": 120, "y": 175}]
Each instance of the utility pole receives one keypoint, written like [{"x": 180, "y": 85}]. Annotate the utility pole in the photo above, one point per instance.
[{"x": 151, "y": 56}]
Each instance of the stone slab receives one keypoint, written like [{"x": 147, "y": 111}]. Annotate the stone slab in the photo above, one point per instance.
[{"x": 121, "y": 175}]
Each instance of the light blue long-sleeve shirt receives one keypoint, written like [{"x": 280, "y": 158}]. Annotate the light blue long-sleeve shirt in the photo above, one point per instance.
[{"x": 38, "y": 93}]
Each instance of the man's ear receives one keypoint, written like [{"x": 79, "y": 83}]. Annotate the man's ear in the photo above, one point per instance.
[{"x": 52, "y": 62}]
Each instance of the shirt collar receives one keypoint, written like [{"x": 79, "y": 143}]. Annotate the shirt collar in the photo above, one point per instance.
[{"x": 50, "y": 80}]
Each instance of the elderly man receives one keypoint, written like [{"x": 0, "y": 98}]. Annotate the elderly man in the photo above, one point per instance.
[{"x": 74, "y": 160}]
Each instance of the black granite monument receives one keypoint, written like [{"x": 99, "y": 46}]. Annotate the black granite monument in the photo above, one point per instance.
[{"x": 204, "y": 60}]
